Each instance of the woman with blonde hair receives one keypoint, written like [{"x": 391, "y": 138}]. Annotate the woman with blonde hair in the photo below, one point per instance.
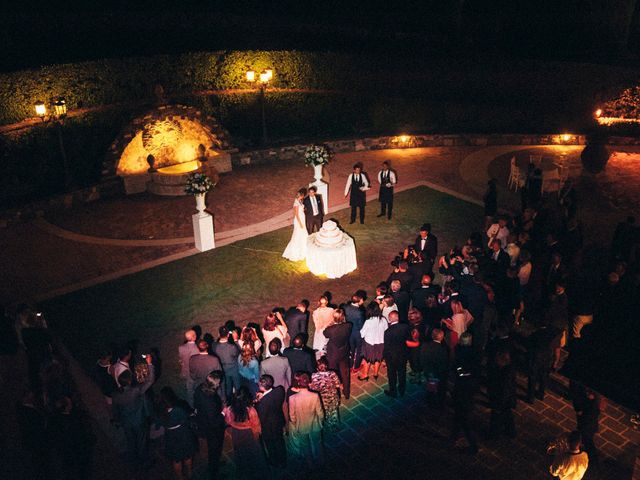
[{"x": 322, "y": 318}]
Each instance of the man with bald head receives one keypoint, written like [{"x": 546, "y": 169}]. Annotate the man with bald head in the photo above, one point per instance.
[{"x": 185, "y": 351}]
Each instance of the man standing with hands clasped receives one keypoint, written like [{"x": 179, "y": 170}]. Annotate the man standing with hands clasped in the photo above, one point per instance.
[
  {"x": 313, "y": 210},
  {"x": 357, "y": 186},
  {"x": 387, "y": 180}
]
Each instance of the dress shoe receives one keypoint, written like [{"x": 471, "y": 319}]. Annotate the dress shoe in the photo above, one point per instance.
[
  {"x": 389, "y": 393},
  {"x": 352, "y": 221},
  {"x": 381, "y": 215}
]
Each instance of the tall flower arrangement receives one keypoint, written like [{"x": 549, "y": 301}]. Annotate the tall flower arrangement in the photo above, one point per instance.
[
  {"x": 316, "y": 155},
  {"x": 198, "y": 183}
]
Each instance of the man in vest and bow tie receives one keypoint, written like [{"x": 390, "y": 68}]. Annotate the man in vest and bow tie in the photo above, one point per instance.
[
  {"x": 387, "y": 180},
  {"x": 357, "y": 186}
]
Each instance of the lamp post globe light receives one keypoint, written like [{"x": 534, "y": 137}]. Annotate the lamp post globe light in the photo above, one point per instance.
[
  {"x": 262, "y": 80},
  {"x": 57, "y": 118}
]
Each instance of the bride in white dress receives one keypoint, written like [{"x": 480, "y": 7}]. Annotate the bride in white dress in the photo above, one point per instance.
[{"x": 297, "y": 247}]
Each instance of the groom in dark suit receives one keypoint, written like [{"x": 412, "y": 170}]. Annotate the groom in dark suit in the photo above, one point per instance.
[{"x": 313, "y": 210}]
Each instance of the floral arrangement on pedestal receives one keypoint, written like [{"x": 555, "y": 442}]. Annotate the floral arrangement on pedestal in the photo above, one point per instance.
[
  {"x": 316, "y": 155},
  {"x": 198, "y": 183}
]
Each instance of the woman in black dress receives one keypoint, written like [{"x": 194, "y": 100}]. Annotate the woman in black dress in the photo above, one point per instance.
[
  {"x": 179, "y": 440},
  {"x": 211, "y": 424}
]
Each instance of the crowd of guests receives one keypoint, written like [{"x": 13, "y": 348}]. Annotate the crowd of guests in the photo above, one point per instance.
[{"x": 512, "y": 298}]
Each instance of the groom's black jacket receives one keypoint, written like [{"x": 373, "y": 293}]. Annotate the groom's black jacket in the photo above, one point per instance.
[{"x": 308, "y": 210}]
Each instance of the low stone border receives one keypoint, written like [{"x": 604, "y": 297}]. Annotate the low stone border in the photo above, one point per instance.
[{"x": 112, "y": 187}]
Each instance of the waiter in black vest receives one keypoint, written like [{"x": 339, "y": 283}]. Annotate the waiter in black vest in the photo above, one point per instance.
[
  {"x": 387, "y": 180},
  {"x": 357, "y": 186}
]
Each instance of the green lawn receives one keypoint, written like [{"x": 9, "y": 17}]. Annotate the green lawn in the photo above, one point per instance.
[{"x": 243, "y": 281}]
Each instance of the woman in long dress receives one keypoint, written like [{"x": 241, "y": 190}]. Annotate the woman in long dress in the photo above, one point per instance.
[
  {"x": 327, "y": 384},
  {"x": 297, "y": 247},
  {"x": 322, "y": 318}
]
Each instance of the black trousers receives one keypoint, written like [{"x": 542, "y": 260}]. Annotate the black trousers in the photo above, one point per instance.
[
  {"x": 341, "y": 365},
  {"x": 215, "y": 441},
  {"x": 386, "y": 201},
  {"x": 397, "y": 373},
  {"x": 502, "y": 421},
  {"x": 275, "y": 450},
  {"x": 462, "y": 422},
  {"x": 537, "y": 382},
  {"x": 313, "y": 223},
  {"x": 354, "y": 208}
]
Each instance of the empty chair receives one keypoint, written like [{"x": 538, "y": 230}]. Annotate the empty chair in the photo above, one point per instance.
[{"x": 516, "y": 178}]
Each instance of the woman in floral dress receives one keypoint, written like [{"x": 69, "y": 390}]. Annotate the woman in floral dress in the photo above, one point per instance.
[{"x": 327, "y": 383}]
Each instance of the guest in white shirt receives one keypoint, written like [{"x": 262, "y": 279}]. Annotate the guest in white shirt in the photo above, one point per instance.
[
  {"x": 372, "y": 334},
  {"x": 387, "y": 180},
  {"x": 388, "y": 305},
  {"x": 274, "y": 327},
  {"x": 573, "y": 464},
  {"x": 498, "y": 231},
  {"x": 122, "y": 364}
]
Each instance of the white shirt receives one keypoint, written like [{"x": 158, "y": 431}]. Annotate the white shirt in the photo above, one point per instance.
[
  {"x": 314, "y": 204},
  {"x": 570, "y": 466},
  {"x": 392, "y": 177},
  {"x": 117, "y": 368},
  {"x": 500, "y": 233},
  {"x": 373, "y": 330},
  {"x": 524, "y": 273},
  {"x": 363, "y": 178},
  {"x": 387, "y": 310}
]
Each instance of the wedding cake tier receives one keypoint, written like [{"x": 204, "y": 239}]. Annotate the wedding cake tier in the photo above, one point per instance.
[
  {"x": 331, "y": 252},
  {"x": 329, "y": 235}
]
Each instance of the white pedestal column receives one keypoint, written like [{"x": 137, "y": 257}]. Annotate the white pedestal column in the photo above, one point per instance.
[
  {"x": 203, "y": 231},
  {"x": 322, "y": 186}
]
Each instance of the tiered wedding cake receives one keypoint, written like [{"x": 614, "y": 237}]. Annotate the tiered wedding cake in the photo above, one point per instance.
[{"x": 329, "y": 235}]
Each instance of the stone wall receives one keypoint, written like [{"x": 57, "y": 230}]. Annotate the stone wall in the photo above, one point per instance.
[{"x": 409, "y": 141}]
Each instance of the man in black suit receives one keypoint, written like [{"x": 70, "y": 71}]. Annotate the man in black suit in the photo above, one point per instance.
[
  {"x": 419, "y": 295},
  {"x": 269, "y": 408},
  {"x": 434, "y": 359},
  {"x": 543, "y": 343},
  {"x": 338, "y": 351},
  {"x": 297, "y": 319},
  {"x": 396, "y": 354},
  {"x": 499, "y": 259},
  {"x": 301, "y": 358},
  {"x": 402, "y": 300},
  {"x": 427, "y": 245},
  {"x": 313, "y": 210},
  {"x": 402, "y": 274}
]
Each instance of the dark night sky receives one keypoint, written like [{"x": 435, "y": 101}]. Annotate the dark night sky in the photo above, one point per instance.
[{"x": 37, "y": 32}]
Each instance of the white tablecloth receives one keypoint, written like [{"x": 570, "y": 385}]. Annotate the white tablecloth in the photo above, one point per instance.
[{"x": 334, "y": 262}]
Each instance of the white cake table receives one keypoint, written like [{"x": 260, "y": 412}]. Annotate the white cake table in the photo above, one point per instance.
[{"x": 335, "y": 261}]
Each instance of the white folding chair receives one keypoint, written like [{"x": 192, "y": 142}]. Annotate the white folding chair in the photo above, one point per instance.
[{"x": 515, "y": 175}]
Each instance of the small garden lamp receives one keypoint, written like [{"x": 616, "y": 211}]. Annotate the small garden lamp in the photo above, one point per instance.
[
  {"x": 566, "y": 137},
  {"x": 41, "y": 110},
  {"x": 60, "y": 108},
  {"x": 265, "y": 77},
  {"x": 598, "y": 113},
  {"x": 251, "y": 76},
  {"x": 269, "y": 72}
]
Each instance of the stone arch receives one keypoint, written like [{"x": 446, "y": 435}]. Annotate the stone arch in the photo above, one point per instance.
[{"x": 172, "y": 134}]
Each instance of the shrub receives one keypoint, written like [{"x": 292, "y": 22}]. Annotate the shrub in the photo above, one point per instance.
[{"x": 595, "y": 157}]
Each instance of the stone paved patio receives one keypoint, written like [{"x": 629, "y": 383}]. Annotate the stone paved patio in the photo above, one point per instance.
[{"x": 382, "y": 434}]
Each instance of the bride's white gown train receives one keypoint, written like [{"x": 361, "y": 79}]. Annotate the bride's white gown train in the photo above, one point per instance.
[{"x": 297, "y": 248}]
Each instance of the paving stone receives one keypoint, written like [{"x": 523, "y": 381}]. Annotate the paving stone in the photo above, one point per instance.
[
  {"x": 612, "y": 437},
  {"x": 614, "y": 425}
]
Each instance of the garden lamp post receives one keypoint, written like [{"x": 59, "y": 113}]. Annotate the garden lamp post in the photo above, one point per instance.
[
  {"x": 263, "y": 80},
  {"x": 57, "y": 118}
]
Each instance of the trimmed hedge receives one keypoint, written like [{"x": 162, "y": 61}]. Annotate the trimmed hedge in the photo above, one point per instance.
[{"x": 105, "y": 82}]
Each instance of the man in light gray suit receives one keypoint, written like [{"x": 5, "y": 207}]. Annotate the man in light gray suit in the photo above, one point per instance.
[
  {"x": 185, "y": 352},
  {"x": 305, "y": 423},
  {"x": 201, "y": 365},
  {"x": 277, "y": 366}
]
